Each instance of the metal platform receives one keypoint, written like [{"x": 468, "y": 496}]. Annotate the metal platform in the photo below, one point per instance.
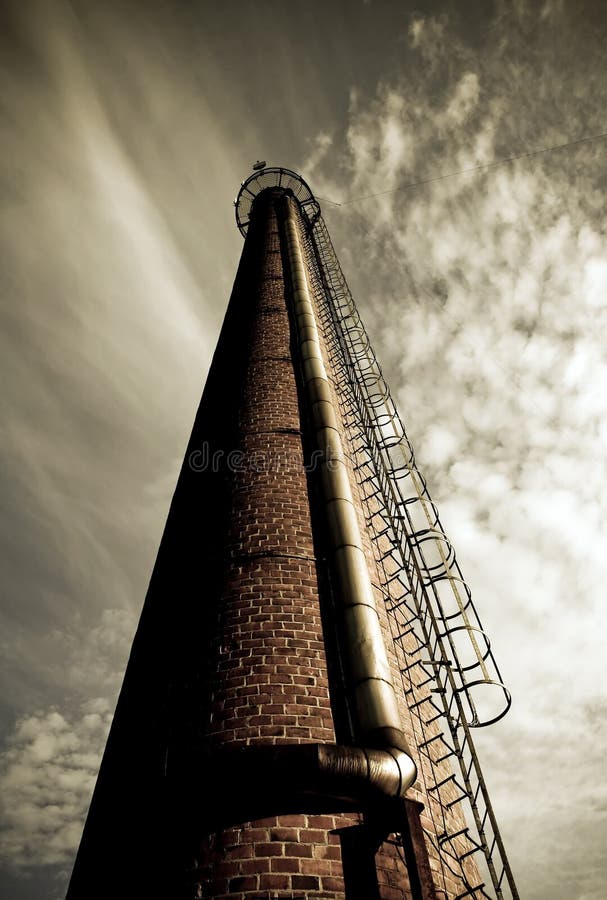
[{"x": 273, "y": 176}]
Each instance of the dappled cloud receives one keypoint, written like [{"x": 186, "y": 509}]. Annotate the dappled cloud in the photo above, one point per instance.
[{"x": 47, "y": 775}]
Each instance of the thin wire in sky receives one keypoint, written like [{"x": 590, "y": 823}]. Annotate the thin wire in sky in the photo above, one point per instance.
[{"x": 491, "y": 165}]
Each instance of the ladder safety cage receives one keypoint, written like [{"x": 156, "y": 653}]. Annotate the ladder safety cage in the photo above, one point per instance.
[{"x": 439, "y": 580}]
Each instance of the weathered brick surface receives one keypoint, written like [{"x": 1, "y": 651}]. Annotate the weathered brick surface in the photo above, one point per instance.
[
  {"x": 293, "y": 856},
  {"x": 272, "y": 684}
]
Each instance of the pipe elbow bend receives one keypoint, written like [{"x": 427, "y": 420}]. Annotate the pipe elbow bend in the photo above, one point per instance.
[
  {"x": 407, "y": 770},
  {"x": 388, "y": 772},
  {"x": 391, "y": 771}
]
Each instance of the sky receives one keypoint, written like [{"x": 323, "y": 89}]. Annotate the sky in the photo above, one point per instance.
[{"x": 128, "y": 129}]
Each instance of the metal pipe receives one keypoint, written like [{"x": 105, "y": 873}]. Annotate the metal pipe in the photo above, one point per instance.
[
  {"x": 280, "y": 779},
  {"x": 375, "y": 705}
]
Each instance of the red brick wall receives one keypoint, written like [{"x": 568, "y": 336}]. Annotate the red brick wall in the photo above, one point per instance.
[
  {"x": 272, "y": 683},
  {"x": 285, "y": 856}
]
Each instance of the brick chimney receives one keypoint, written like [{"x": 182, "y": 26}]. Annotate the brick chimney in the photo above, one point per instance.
[{"x": 246, "y": 758}]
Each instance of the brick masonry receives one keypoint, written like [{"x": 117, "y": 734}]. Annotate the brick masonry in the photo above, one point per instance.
[{"x": 272, "y": 682}]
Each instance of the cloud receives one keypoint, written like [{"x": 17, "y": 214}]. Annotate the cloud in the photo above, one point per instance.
[
  {"x": 47, "y": 774},
  {"x": 464, "y": 99},
  {"x": 49, "y": 764},
  {"x": 94, "y": 660},
  {"x": 320, "y": 146},
  {"x": 379, "y": 142},
  {"x": 428, "y": 35}
]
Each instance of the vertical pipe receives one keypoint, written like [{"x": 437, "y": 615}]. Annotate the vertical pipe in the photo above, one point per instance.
[{"x": 376, "y": 709}]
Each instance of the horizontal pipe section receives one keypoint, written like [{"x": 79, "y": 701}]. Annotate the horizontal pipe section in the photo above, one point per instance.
[
  {"x": 281, "y": 779},
  {"x": 375, "y": 705}
]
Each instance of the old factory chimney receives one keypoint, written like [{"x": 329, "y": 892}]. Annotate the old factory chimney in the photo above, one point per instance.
[{"x": 295, "y": 719}]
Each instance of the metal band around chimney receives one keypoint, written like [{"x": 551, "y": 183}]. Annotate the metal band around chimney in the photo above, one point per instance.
[{"x": 376, "y": 709}]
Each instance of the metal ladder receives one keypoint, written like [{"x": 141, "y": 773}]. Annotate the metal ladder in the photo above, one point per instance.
[{"x": 446, "y": 657}]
